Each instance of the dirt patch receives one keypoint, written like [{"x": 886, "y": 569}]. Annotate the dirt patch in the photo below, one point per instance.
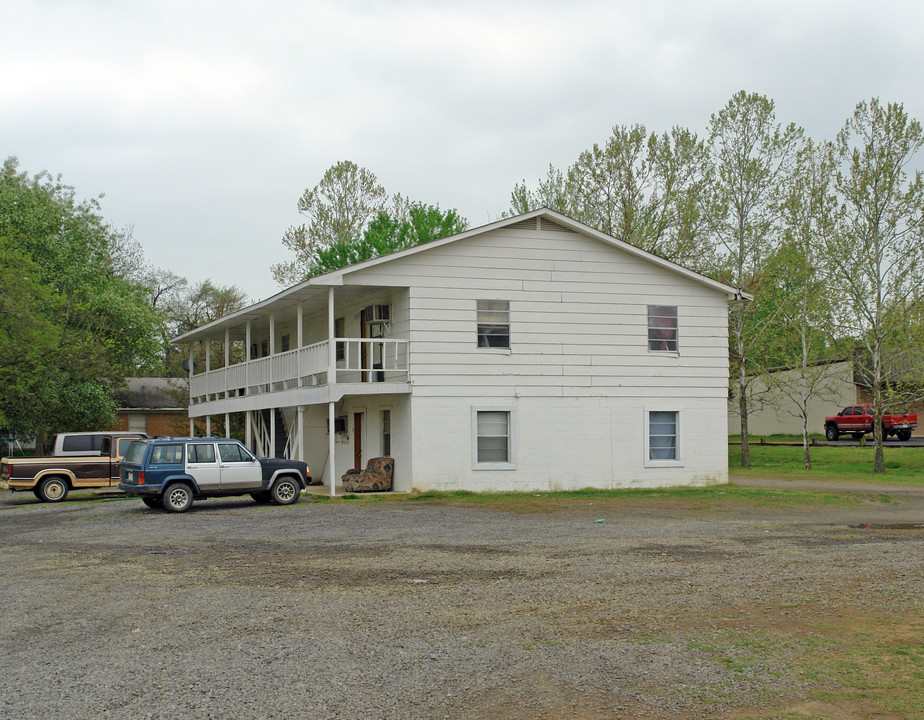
[{"x": 394, "y": 610}]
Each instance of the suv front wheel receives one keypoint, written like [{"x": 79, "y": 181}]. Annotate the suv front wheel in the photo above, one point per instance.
[
  {"x": 178, "y": 498},
  {"x": 285, "y": 491}
]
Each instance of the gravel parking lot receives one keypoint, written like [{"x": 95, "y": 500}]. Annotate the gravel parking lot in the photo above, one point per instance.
[{"x": 425, "y": 610}]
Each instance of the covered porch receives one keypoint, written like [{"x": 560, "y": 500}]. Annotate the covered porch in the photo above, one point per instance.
[{"x": 284, "y": 368}]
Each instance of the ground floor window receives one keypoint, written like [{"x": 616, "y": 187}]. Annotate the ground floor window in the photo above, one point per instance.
[
  {"x": 386, "y": 433},
  {"x": 663, "y": 439},
  {"x": 493, "y": 435}
]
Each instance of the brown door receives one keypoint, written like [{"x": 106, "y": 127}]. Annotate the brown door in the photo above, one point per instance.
[{"x": 358, "y": 441}]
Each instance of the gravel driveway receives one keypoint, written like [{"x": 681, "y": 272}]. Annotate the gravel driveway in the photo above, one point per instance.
[{"x": 421, "y": 610}]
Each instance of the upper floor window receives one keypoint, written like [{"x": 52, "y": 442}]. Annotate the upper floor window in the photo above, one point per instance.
[
  {"x": 493, "y": 323},
  {"x": 662, "y": 328}
]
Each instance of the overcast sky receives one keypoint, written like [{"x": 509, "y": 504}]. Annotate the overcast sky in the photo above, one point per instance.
[{"x": 203, "y": 122}]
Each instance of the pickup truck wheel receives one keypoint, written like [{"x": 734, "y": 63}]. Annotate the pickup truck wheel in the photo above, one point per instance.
[
  {"x": 262, "y": 497},
  {"x": 151, "y": 502},
  {"x": 832, "y": 433},
  {"x": 178, "y": 498},
  {"x": 52, "y": 489},
  {"x": 285, "y": 491},
  {"x": 904, "y": 435}
]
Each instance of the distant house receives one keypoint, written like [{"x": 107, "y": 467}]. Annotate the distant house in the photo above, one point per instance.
[
  {"x": 774, "y": 411},
  {"x": 533, "y": 353},
  {"x": 153, "y": 405}
]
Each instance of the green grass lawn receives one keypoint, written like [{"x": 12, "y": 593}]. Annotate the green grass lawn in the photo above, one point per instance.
[{"x": 904, "y": 465}]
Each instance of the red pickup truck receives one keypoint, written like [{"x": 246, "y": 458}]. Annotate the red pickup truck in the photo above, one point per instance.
[{"x": 857, "y": 420}]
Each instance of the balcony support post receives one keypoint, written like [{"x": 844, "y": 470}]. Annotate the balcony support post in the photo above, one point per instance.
[
  {"x": 272, "y": 330},
  {"x": 331, "y": 345},
  {"x": 227, "y": 360},
  {"x": 331, "y": 381},
  {"x": 272, "y": 432},
  {"x": 300, "y": 429},
  {"x": 332, "y": 447},
  {"x": 247, "y": 359},
  {"x": 300, "y": 312}
]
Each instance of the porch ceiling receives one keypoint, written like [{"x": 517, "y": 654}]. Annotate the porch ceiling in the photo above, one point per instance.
[{"x": 285, "y": 305}]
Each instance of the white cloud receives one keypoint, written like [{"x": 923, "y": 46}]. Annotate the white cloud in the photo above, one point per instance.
[{"x": 204, "y": 121}]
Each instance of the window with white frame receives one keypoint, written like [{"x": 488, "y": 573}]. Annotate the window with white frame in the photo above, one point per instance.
[
  {"x": 493, "y": 323},
  {"x": 662, "y": 328},
  {"x": 386, "y": 433},
  {"x": 493, "y": 433},
  {"x": 663, "y": 437}
]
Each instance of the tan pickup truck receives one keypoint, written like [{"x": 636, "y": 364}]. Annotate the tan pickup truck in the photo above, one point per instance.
[{"x": 52, "y": 478}]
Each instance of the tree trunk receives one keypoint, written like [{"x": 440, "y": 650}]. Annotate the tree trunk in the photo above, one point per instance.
[
  {"x": 743, "y": 413},
  {"x": 803, "y": 391},
  {"x": 879, "y": 461}
]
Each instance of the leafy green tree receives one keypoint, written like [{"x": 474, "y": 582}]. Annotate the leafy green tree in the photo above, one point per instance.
[
  {"x": 640, "y": 187},
  {"x": 794, "y": 286},
  {"x": 874, "y": 246},
  {"x": 389, "y": 233},
  {"x": 750, "y": 156},
  {"x": 551, "y": 192},
  {"x": 351, "y": 219},
  {"x": 185, "y": 307},
  {"x": 338, "y": 209},
  {"x": 75, "y": 326}
]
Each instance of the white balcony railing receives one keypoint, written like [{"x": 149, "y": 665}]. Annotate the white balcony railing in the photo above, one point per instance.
[{"x": 359, "y": 360}]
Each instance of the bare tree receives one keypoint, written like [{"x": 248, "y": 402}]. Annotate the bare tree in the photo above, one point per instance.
[
  {"x": 874, "y": 244},
  {"x": 750, "y": 157}
]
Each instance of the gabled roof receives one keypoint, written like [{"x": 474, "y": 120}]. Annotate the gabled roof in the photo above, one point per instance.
[{"x": 317, "y": 287}]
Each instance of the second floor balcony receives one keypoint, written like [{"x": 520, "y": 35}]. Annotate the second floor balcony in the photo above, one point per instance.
[{"x": 355, "y": 361}]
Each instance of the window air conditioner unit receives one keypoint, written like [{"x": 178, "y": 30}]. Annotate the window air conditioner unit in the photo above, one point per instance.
[{"x": 378, "y": 314}]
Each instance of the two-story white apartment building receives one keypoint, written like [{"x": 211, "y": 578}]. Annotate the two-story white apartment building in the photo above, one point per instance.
[{"x": 533, "y": 353}]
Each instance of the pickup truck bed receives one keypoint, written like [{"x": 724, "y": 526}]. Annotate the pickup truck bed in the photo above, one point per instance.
[{"x": 52, "y": 478}]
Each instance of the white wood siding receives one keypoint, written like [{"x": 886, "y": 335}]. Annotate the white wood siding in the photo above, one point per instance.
[{"x": 578, "y": 371}]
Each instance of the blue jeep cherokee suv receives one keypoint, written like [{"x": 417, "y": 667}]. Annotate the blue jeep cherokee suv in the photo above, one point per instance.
[{"x": 172, "y": 472}]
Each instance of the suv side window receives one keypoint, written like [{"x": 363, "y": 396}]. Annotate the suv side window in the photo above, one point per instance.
[
  {"x": 201, "y": 453},
  {"x": 167, "y": 455},
  {"x": 231, "y": 452}
]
